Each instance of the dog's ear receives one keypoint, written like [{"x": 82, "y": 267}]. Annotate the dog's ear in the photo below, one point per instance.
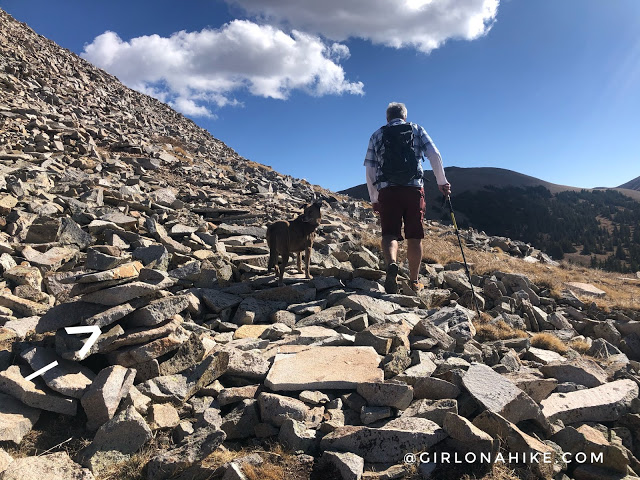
[{"x": 305, "y": 212}]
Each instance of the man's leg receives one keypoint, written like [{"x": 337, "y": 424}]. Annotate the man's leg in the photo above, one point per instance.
[
  {"x": 414, "y": 231},
  {"x": 414, "y": 255},
  {"x": 389, "y": 248},
  {"x": 390, "y": 252}
]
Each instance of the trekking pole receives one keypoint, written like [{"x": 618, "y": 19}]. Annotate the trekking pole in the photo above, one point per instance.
[{"x": 464, "y": 259}]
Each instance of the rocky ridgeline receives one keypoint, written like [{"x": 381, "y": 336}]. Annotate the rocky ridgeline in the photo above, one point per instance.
[{"x": 119, "y": 213}]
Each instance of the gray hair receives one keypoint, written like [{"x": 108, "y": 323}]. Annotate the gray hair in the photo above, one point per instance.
[{"x": 396, "y": 110}]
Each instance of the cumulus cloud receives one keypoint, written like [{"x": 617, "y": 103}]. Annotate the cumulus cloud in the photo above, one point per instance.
[
  {"x": 193, "y": 70},
  {"x": 422, "y": 24}
]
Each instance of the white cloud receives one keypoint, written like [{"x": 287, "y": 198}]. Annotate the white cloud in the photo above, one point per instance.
[
  {"x": 191, "y": 70},
  {"x": 422, "y": 24}
]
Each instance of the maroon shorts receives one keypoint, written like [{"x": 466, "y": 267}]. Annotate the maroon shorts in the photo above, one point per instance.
[{"x": 398, "y": 204}]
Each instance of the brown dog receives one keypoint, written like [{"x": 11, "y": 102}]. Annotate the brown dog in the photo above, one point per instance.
[{"x": 285, "y": 238}]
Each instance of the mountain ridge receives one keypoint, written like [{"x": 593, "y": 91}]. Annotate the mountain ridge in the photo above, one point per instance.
[
  {"x": 465, "y": 179},
  {"x": 632, "y": 184}
]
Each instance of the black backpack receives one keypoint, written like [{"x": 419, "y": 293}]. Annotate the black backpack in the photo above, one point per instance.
[{"x": 399, "y": 162}]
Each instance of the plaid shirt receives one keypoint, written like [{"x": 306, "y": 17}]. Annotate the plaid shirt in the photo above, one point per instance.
[{"x": 421, "y": 146}]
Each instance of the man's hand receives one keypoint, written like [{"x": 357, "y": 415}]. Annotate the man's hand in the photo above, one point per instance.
[
  {"x": 445, "y": 189},
  {"x": 376, "y": 208}
]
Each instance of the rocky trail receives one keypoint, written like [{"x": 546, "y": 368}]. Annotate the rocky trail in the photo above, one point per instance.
[{"x": 120, "y": 215}]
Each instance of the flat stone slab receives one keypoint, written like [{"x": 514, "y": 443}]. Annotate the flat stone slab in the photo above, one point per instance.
[
  {"x": 23, "y": 326},
  {"x": 158, "y": 311},
  {"x": 109, "y": 316},
  {"x": 138, "y": 336},
  {"x": 130, "y": 356},
  {"x": 321, "y": 368},
  {"x": 585, "y": 289},
  {"x": 605, "y": 403},
  {"x": 52, "y": 259},
  {"x": 375, "y": 308},
  {"x": 12, "y": 382},
  {"x": 388, "y": 444},
  {"x": 583, "y": 372},
  {"x": 16, "y": 419},
  {"x": 68, "y": 378},
  {"x": 120, "y": 294},
  {"x": 21, "y": 306},
  {"x": 67, "y": 315},
  {"x": 543, "y": 356},
  {"x": 127, "y": 270}
]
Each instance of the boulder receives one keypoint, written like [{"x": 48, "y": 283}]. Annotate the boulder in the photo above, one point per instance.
[
  {"x": 102, "y": 398},
  {"x": 349, "y": 465},
  {"x": 467, "y": 437},
  {"x": 275, "y": 409},
  {"x": 538, "y": 456},
  {"x": 16, "y": 419},
  {"x": 295, "y": 436},
  {"x": 503, "y": 397}
]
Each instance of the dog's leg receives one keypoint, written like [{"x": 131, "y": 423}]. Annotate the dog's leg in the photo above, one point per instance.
[
  {"x": 273, "y": 260},
  {"x": 299, "y": 262},
  {"x": 307, "y": 260},
  {"x": 285, "y": 262}
]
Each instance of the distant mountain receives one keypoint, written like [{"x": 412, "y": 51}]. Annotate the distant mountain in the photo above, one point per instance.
[
  {"x": 478, "y": 178},
  {"x": 632, "y": 185}
]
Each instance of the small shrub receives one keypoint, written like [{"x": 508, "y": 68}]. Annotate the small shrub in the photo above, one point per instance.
[
  {"x": 580, "y": 346},
  {"x": 499, "y": 330},
  {"x": 549, "y": 342}
]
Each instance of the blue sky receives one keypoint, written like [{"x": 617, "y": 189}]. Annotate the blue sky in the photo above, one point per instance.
[{"x": 547, "y": 88}]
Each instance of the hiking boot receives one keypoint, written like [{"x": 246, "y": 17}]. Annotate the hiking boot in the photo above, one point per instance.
[
  {"x": 391, "y": 282},
  {"x": 416, "y": 286}
]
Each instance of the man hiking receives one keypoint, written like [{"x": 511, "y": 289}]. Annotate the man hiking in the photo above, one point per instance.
[{"x": 394, "y": 179}]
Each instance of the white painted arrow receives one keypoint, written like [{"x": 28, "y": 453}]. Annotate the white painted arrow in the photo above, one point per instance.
[
  {"x": 95, "y": 332},
  {"x": 44, "y": 369}
]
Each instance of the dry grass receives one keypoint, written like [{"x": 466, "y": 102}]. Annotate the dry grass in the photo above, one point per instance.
[
  {"x": 580, "y": 346},
  {"x": 499, "y": 330},
  {"x": 441, "y": 246},
  {"x": 222, "y": 456},
  {"x": 548, "y": 341},
  {"x": 278, "y": 463},
  {"x": 52, "y": 433},
  {"x": 133, "y": 468},
  {"x": 265, "y": 471}
]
